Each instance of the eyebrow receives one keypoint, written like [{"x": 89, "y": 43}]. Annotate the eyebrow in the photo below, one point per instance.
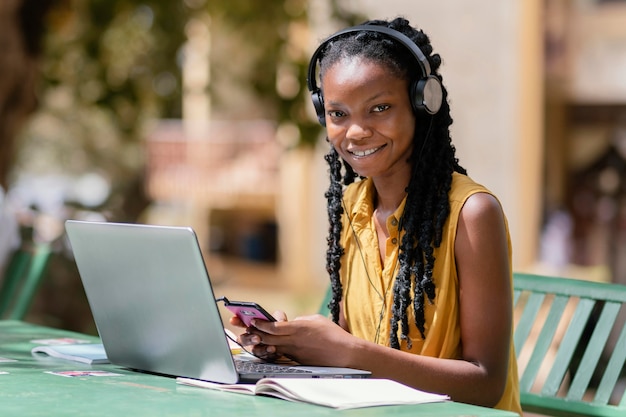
[{"x": 372, "y": 98}]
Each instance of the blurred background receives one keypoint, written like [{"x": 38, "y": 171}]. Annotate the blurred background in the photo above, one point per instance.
[{"x": 196, "y": 113}]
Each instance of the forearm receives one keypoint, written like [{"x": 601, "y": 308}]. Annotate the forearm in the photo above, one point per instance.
[
  {"x": 315, "y": 340},
  {"x": 462, "y": 380}
]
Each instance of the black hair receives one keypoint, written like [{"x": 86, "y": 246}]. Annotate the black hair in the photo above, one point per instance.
[{"x": 433, "y": 163}]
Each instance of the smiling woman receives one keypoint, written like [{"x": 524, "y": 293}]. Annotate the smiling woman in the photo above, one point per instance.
[{"x": 415, "y": 298}]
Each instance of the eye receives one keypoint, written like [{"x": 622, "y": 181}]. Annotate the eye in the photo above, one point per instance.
[
  {"x": 336, "y": 113},
  {"x": 380, "y": 108}
]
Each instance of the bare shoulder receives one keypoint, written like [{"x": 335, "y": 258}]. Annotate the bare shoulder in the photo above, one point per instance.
[
  {"x": 481, "y": 226},
  {"x": 481, "y": 207}
]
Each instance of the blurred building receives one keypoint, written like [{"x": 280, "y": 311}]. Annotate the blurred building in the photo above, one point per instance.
[{"x": 224, "y": 181}]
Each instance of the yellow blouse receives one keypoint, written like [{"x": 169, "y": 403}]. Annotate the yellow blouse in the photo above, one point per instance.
[{"x": 367, "y": 286}]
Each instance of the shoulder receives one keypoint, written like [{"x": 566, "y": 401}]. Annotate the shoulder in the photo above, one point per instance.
[
  {"x": 481, "y": 205},
  {"x": 475, "y": 204},
  {"x": 482, "y": 219},
  {"x": 469, "y": 197},
  {"x": 463, "y": 186}
]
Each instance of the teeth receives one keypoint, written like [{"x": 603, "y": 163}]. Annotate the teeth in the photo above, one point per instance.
[{"x": 365, "y": 153}]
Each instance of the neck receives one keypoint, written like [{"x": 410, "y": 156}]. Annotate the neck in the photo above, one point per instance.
[{"x": 389, "y": 195}]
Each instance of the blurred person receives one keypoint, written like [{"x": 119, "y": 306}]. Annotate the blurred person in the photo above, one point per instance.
[{"x": 419, "y": 255}]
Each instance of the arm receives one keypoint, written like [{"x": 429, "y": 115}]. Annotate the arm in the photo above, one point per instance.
[{"x": 485, "y": 303}]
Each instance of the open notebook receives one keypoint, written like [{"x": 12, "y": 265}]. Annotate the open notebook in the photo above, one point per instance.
[{"x": 154, "y": 307}]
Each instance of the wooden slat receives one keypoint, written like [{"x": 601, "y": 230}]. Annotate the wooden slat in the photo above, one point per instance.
[
  {"x": 527, "y": 320},
  {"x": 543, "y": 342},
  {"x": 567, "y": 347},
  {"x": 612, "y": 373},
  {"x": 571, "y": 287},
  {"x": 594, "y": 350},
  {"x": 552, "y": 406}
]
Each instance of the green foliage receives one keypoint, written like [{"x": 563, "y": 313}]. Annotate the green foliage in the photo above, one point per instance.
[
  {"x": 113, "y": 54},
  {"x": 270, "y": 40},
  {"x": 110, "y": 67},
  {"x": 261, "y": 47}
]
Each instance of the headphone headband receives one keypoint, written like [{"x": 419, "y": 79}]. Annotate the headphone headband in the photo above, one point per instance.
[
  {"x": 391, "y": 33},
  {"x": 426, "y": 94}
]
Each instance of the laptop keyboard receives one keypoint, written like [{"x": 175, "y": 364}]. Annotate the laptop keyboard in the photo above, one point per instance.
[{"x": 265, "y": 368}]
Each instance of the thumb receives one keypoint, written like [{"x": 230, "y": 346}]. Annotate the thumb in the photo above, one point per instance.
[{"x": 280, "y": 315}]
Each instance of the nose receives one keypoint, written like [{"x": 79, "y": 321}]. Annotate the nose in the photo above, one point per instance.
[{"x": 358, "y": 130}]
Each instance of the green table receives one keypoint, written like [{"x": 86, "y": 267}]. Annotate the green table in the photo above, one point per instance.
[{"x": 26, "y": 389}]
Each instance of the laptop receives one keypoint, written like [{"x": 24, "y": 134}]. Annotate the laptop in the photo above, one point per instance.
[{"x": 154, "y": 307}]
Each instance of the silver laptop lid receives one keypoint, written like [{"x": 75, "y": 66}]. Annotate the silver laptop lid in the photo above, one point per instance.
[{"x": 150, "y": 295}]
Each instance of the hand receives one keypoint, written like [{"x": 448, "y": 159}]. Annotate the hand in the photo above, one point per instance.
[
  {"x": 310, "y": 340},
  {"x": 253, "y": 338}
]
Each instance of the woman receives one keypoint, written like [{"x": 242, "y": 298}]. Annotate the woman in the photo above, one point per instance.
[{"x": 419, "y": 255}]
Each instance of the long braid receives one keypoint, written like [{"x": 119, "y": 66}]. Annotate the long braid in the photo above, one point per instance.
[
  {"x": 335, "y": 251},
  {"x": 427, "y": 206}
]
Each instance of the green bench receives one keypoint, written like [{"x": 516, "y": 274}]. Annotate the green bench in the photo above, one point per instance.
[{"x": 570, "y": 341}]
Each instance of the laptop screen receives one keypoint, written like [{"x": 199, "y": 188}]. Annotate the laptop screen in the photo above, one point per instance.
[{"x": 151, "y": 298}]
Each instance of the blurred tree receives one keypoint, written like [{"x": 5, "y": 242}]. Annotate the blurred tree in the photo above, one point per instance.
[
  {"x": 111, "y": 67},
  {"x": 260, "y": 57},
  {"x": 21, "y": 30}
]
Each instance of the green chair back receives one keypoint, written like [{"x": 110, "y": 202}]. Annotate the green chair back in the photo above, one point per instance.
[
  {"x": 22, "y": 277},
  {"x": 570, "y": 340}
]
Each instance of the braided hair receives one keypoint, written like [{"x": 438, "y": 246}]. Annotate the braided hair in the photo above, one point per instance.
[{"x": 433, "y": 162}]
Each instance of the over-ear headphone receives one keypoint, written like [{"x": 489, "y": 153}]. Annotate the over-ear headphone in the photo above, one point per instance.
[{"x": 425, "y": 94}]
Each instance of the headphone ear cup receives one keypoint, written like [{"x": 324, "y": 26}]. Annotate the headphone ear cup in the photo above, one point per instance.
[
  {"x": 426, "y": 95},
  {"x": 318, "y": 104}
]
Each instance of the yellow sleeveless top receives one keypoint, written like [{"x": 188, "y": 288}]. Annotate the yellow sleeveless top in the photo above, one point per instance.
[{"x": 367, "y": 287}]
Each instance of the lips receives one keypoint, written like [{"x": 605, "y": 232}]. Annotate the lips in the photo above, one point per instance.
[{"x": 365, "y": 152}]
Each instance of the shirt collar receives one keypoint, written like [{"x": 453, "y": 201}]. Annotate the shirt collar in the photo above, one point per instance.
[{"x": 360, "y": 205}]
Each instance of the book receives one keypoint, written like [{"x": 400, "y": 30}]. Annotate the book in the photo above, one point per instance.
[
  {"x": 334, "y": 393},
  {"x": 90, "y": 353}
]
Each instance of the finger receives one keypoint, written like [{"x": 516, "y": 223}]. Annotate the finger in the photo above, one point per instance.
[
  {"x": 235, "y": 321},
  {"x": 257, "y": 337},
  {"x": 250, "y": 339},
  {"x": 265, "y": 352},
  {"x": 268, "y": 326},
  {"x": 280, "y": 315},
  {"x": 265, "y": 326}
]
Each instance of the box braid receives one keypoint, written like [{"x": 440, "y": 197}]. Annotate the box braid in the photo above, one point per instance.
[{"x": 427, "y": 206}]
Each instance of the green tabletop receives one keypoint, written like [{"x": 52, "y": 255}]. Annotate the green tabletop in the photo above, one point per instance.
[{"x": 28, "y": 389}]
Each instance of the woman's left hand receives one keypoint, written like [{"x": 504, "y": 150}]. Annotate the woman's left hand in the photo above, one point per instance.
[{"x": 312, "y": 340}]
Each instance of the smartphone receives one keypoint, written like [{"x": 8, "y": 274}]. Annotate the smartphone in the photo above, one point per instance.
[{"x": 246, "y": 311}]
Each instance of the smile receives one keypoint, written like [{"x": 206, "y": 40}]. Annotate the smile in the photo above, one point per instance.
[{"x": 365, "y": 152}]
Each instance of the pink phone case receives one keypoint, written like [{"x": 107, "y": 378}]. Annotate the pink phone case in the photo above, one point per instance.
[{"x": 248, "y": 312}]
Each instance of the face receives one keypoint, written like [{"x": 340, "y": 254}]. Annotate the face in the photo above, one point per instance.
[{"x": 369, "y": 119}]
